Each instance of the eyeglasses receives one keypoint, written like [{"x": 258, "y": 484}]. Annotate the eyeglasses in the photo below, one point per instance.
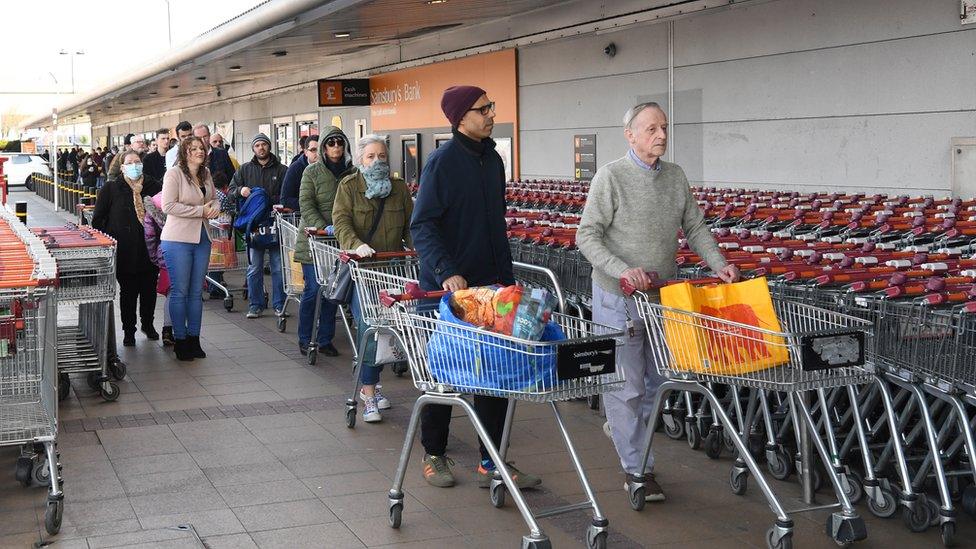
[
  {"x": 485, "y": 109},
  {"x": 335, "y": 142}
]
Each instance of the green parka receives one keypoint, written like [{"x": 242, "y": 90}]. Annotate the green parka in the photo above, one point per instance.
[
  {"x": 317, "y": 192},
  {"x": 353, "y": 215}
]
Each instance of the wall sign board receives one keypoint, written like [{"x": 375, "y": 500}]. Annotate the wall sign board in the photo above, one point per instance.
[
  {"x": 342, "y": 93},
  {"x": 584, "y": 154}
]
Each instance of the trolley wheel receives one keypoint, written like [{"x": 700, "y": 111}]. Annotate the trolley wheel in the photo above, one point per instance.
[
  {"x": 594, "y": 402},
  {"x": 399, "y": 368},
  {"x": 917, "y": 519},
  {"x": 22, "y": 472},
  {"x": 53, "y": 515},
  {"x": 596, "y": 540},
  {"x": 109, "y": 391},
  {"x": 637, "y": 496},
  {"x": 886, "y": 508},
  {"x": 739, "y": 481},
  {"x": 781, "y": 464},
  {"x": 396, "y": 515},
  {"x": 673, "y": 428},
  {"x": 64, "y": 386},
  {"x": 693, "y": 435},
  {"x": 94, "y": 380},
  {"x": 727, "y": 441},
  {"x": 854, "y": 488},
  {"x": 229, "y": 303},
  {"x": 713, "y": 443},
  {"x": 969, "y": 499},
  {"x": 313, "y": 354},
  {"x": 497, "y": 493},
  {"x": 785, "y": 542},
  {"x": 282, "y": 323},
  {"x": 117, "y": 369},
  {"x": 351, "y": 418},
  {"x": 934, "y": 512},
  {"x": 41, "y": 474},
  {"x": 948, "y": 533}
]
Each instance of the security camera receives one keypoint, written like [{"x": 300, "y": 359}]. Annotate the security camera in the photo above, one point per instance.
[{"x": 610, "y": 50}]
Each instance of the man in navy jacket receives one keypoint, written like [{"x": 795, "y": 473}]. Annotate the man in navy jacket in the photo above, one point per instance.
[{"x": 458, "y": 229}]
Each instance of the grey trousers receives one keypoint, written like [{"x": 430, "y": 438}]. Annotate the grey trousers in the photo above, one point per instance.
[{"x": 629, "y": 409}]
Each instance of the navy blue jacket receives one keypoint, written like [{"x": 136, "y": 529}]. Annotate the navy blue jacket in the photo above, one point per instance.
[
  {"x": 293, "y": 182},
  {"x": 458, "y": 223}
]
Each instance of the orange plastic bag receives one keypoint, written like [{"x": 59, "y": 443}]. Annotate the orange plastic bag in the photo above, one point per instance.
[
  {"x": 475, "y": 306},
  {"x": 717, "y": 346}
]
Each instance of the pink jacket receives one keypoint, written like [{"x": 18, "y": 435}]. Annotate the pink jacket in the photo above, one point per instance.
[{"x": 183, "y": 205}]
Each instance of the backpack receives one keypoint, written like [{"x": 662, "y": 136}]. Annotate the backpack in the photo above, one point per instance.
[{"x": 255, "y": 221}]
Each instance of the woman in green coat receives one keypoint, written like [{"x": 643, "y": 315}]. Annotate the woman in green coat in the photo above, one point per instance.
[
  {"x": 357, "y": 203},
  {"x": 316, "y": 196}
]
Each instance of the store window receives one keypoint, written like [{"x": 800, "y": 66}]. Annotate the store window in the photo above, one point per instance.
[{"x": 284, "y": 142}]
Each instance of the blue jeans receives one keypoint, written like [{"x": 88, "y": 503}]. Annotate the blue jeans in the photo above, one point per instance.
[
  {"x": 370, "y": 373},
  {"x": 255, "y": 278},
  {"x": 187, "y": 265},
  {"x": 306, "y": 312}
]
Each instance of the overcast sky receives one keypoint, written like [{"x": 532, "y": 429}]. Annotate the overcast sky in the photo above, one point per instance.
[{"x": 114, "y": 36}]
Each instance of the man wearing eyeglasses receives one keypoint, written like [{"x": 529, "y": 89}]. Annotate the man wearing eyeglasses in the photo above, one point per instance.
[
  {"x": 630, "y": 223},
  {"x": 458, "y": 228}
]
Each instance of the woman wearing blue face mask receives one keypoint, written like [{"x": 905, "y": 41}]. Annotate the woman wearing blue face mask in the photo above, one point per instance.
[
  {"x": 120, "y": 212},
  {"x": 371, "y": 214}
]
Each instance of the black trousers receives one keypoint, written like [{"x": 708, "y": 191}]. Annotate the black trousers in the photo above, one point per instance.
[
  {"x": 435, "y": 421},
  {"x": 137, "y": 288}
]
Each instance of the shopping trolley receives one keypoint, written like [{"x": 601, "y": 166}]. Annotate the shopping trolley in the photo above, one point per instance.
[
  {"x": 86, "y": 292},
  {"x": 325, "y": 252},
  {"x": 28, "y": 362},
  {"x": 291, "y": 272},
  {"x": 386, "y": 270},
  {"x": 577, "y": 367},
  {"x": 823, "y": 350},
  {"x": 224, "y": 258}
]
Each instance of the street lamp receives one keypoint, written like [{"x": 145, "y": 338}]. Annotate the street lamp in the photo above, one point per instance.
[{"x": 72, "y": 54}]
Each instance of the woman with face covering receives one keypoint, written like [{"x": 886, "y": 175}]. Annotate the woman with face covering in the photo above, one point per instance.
[
  {"x": 120, "y": 213},
  {"x": 189, "y": 202},
  {"x": 361, "y": 197}
]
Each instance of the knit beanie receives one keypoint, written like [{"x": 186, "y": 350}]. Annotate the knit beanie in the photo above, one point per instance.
[
  {"x": 457, "y": 100},
  {"x": 260, "y": 137}
]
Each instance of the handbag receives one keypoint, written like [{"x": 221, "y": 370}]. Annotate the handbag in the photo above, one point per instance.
[
  {"x": 163, "y": 283},
  {"x": 338, "y": 285}
]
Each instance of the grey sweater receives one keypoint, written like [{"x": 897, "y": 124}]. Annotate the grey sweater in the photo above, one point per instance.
[{"x": 632, "y": 217}]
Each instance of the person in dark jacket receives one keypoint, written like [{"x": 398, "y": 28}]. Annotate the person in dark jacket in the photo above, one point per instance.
[
  {"x": 266, "y": 172},
  {"x": 120, "y": 212},
  {"x": 293, "y": 177},
  {"x": 154, "y": 163},
  {"x": 458, "y": 229},
  {"x": 217, "y": 158}
]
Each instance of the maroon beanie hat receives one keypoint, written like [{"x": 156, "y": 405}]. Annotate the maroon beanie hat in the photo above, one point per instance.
[{"x": 457, "y": 100}]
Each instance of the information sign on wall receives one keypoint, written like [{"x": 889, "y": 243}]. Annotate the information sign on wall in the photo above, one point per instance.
[
  {"x": 340, "y": 93},
  {"x": 584, "y": 153}
]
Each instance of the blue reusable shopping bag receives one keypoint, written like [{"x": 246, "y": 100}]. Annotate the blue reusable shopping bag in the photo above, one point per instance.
[{"x": 464, "y": 359}]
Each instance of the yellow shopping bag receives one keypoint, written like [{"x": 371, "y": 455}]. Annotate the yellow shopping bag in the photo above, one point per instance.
[
  {"x": 297, "y": 279},
  {"x": 719, "y": 346}
]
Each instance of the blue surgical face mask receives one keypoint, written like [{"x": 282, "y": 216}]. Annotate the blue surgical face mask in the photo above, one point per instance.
[{"x": 132, "y": 171}]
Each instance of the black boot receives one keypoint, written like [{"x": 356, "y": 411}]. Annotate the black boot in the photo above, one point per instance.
[
  {"x": 183, "y": 349},
  {"x": 167, "y": 336},
  {"x": 130, "y": 338},
  {"x": 193, "y": 343},
  {"x": 150, "y": 331}
]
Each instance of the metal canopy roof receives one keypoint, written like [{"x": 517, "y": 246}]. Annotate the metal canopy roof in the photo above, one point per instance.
[{"x": 381, "y": 33}]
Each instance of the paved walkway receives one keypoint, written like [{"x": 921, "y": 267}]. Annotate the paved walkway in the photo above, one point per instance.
[{"x": 248, "y": 448}]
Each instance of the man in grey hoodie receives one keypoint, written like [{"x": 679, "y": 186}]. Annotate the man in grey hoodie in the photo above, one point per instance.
[{"x": 629, "y": 227}]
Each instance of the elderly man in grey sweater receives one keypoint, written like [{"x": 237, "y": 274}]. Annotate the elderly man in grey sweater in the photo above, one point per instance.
[{"x": 630, "y": 227}]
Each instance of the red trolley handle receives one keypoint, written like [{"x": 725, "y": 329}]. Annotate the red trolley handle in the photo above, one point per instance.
[
  {"x": 411, "y": 292},
  {"x": 346, "y": 257},
  {"x": 656, "y": 282}
]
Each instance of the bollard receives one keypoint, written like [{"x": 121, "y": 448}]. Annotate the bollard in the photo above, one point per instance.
[{"x": 20, "y": 208}]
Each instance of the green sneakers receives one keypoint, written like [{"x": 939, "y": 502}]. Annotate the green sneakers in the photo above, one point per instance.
[
  {"x": 523, "y": 480},
  {"x": 437, "y": 471}
]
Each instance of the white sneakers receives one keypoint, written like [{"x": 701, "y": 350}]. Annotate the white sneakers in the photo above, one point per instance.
[{"x": 373, "y": 405}]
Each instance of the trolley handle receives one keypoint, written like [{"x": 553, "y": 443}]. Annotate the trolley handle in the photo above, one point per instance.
[
  {"x": 278, "y": 208},
  {"x": 348, "y": 256},
  {"x": 657, "y": 282},
  {"x": 411, "y": 292}
]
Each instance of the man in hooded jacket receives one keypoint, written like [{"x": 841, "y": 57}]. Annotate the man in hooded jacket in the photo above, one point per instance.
[
  {"x": 266, "y": 172},
  {"x": 316, "y": 196}
]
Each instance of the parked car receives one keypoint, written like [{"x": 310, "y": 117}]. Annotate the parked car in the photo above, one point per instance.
[{"x": 19, "y": 168}]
